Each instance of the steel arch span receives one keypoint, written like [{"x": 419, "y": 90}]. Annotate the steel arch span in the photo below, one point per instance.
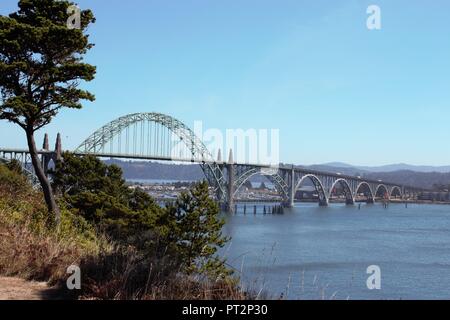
[
  {"x": 382, "y": 187},
  {"x": 349, "y": 199},
  {"x": 318, "y": 185},
  {"x": 391, "y": 192},
  {"x": 371, "y": 197},
  {"x": 154, "y": 135},
  {"x": 273, "y": 176}
]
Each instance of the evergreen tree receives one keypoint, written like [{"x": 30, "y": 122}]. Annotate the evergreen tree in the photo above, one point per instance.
[
  {"x": 102, "y": 197},
  {"x": 183, "y": 236},
  {"x": 41, "y": 66},
  {"x": 198, "y": 232}
]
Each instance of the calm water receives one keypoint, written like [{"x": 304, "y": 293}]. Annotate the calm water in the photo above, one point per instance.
[{"x": 312, "y": 252}]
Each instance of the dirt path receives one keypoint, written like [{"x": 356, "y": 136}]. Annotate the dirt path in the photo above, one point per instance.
[{"x": 18, "y": 289}]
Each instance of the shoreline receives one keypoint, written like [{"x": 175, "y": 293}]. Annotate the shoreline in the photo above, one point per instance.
[{"x": 262, "y": 201}]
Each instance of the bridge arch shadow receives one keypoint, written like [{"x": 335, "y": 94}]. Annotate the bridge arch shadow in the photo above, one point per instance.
[
  {"x": 396, "y": 192},
  {"x": 272, "y": 178},
  {"x": 382, "y": 192},
  {"x": 318, "y": 186},
  {"x": 364, "y": 191},
  {"x": 343, "y": 184}
]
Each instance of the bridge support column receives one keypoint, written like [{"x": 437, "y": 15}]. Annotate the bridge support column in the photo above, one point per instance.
[
  {"x": 56, "y": 156},
  {"x": 230, "y": 187},
  {"x": 58, "y": 148},
  {"x": 45, "y": 159},
  {"x": 291, "y": 178}
]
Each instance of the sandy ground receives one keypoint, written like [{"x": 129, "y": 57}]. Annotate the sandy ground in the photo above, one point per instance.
[{"x": 18, "y": 289}]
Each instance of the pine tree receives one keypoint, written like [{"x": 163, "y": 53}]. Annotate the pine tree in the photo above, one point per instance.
[
  {"x": 199, "y": 232},
  {"x": 41, "y": 67}
]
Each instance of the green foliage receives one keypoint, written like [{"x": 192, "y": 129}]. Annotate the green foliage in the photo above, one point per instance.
[
  {"x": 21, "y": 204},
  {"x": 183, "y": 236},
  {"x": 15, "y": 166},
  {"x": 100, "y": 194},
  {"x": 31, "y": 245},
  {"x": 41, "y": 68},
  {"x": 198, "y": 231},
  {"x": 155, "y": 254},
  {"x": 12, "y": 179},
  {"x": 41, "y": 62}
]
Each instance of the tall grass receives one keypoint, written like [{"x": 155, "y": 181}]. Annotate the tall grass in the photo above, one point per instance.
[{"x": 31, "y": 247}]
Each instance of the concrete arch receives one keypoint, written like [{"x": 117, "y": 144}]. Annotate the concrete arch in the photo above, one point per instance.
[
  {"x": 395, "y": 188},
  {"x": 323, "y": 199},
  {"x": 349, "y": 199},
  {"x": 382, "y": 186},
  {"x": 363, "y": 183},
  {"x": 371, "y": 198}
]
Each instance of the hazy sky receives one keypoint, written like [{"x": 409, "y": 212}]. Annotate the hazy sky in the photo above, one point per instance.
[{"x": 336, "y": 90}]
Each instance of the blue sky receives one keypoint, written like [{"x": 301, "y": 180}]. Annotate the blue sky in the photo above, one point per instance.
[{"x": 336, "y": 91}]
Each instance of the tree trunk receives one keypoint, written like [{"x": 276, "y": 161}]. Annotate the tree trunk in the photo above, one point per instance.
[{"x": 45, "y": 183}]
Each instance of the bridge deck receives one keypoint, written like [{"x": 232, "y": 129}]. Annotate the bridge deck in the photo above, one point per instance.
[{"x": 210, "y": 161}]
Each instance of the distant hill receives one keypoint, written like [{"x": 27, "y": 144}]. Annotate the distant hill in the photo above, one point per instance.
[
  {"x": 154, "y": 170},
  {"x": 418, "y": 179},
  {"x": 169, "y": 171},
  {"x": 418, "y": 176},
  {"x": 348, "y": 170},
  {"x": 390, "y": 167}
]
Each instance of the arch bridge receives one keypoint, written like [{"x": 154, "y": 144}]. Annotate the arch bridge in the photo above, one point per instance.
[{"x": 156, "y": 136}]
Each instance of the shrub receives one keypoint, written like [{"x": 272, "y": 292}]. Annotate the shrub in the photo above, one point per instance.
[
  {"x": 126, "y": 245},
  {"x": 30, "y": 245},
  {"x": 186, "y": 233}
]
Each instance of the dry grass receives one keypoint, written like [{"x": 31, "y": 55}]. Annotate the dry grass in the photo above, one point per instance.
[
  {"x": 34, "y": 256},
  {"x": 126, "y": 274},
  {"x": 31, "y": 248},
  {"x": 19, "y": 289},
  {"x": 179, "y": 288}
]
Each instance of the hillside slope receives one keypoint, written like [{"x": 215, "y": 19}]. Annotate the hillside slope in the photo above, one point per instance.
[{"x": 191, "y": 172}]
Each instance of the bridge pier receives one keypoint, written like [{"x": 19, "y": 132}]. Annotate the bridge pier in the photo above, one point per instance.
[
  {"x": 56, "y": 155},
  {"x": 291, "y": 179},
  {"x": 45, "y": 158},
  {"x": 230, "y": 205},
  {"x": 349, "y": 202}
]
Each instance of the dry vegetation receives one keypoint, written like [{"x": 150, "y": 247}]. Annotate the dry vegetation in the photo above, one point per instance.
[{"x": 33, "y": 249}]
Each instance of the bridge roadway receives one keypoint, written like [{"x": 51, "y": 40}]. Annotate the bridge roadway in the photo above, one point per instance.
[
  {"x": 156, "y": 136},
  {"x": 296, "y": 168},
  {"x": 291, "y": 175}
]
